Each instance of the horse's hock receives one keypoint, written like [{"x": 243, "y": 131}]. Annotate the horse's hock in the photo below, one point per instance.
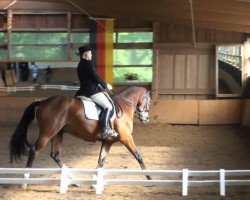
[{"x": 202, "y": 112}]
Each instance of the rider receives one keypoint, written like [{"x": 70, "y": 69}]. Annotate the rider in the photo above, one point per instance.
[{"x": 89, "y": 81}]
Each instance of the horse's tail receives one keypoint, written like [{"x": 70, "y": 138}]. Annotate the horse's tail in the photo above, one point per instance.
[{"x": 19, "y": 143}]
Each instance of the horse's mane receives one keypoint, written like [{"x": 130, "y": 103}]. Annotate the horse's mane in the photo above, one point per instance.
[
  {"x": 126, "y": 88},
  {"x": 117, "y": 106}
]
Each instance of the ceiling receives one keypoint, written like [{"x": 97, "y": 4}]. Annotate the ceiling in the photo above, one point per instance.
[{"x": 230, "y": 15}]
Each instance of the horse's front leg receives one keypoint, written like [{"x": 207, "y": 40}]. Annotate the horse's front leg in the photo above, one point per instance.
[{"x": 129, "y": 143}]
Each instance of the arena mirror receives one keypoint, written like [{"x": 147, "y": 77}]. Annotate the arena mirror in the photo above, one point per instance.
[{"x": 229, "y": 70}]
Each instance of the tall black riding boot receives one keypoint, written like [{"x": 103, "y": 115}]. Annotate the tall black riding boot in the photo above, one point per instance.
[{"x": 106, "y": 132}]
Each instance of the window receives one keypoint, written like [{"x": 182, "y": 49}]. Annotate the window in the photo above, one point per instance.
[
  {"x": 78, "y": 39},
  {"x": 38, "y": 46},
  {"x": 133, "y": 55},
  {"x": 132, "y": 52},
  {"x": 3, "y": 46}
]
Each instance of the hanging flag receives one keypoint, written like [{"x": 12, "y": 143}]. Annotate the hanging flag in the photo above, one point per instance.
[{"x": 101, "y": 40}]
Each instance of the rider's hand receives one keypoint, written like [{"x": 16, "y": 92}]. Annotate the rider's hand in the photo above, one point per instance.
[{"x": 109, "y": 87}]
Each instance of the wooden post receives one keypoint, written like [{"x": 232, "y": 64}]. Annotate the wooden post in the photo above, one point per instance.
[
  {"x": 69, "y": 56},
  {"x": 9, "y": 28}
]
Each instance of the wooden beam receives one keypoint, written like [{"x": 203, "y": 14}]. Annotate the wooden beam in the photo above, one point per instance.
[
  {"x": 223, "y": 6},
  {"x": 69, "y": 36},
  {"x": 212, "y": 25},
  {"x": 39, "y": 5},
  {"x": 9, "y": 28},
  {"x": 186, "y": 91},
  {"x": 223, "y": 26}
]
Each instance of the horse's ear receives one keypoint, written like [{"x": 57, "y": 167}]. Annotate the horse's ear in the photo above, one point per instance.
[{"x": 150, "y": 92}]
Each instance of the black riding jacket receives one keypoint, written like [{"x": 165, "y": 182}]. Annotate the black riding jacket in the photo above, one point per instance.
[{"x": 89, "y": 79}]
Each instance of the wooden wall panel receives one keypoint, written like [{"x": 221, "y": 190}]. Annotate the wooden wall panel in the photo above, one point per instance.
[
  {"x": 191, "y": 71},
  {"x": 220, "y": 111},
  {"x": 166, "y": 64},
  {"x": 167, "y": 32},
  {"x": 185, "y": 72},
  {"x": 203, "y": 70},
  {"x": 179, "y": 72},
  {"x": 40, "y": 21},
  {"x": 174, "y": 112}
]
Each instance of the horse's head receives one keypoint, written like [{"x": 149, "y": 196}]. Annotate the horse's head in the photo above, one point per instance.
[
  {"x": 139, "y": 99},
  {"x": 142, "y": 107}
]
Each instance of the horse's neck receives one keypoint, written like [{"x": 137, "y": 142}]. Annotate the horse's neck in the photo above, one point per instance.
[{"x": 131, "y": 95}]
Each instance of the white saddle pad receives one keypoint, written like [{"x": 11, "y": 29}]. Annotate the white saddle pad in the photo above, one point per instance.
[{"x": 92, "y": 110}]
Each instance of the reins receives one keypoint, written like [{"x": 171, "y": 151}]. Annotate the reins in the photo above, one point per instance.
[{"x": 126, "y": 101}]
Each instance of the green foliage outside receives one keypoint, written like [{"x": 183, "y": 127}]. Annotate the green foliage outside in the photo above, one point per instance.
[
  {"x": 38, "y": 52},
  {"x": 133, "y": 57},
  {"x": 135, "y": 37},
  {"x": 144, "y": 74},
  {"x": 3, "y": 38},
  {"x": 39, "y": 38},
  {"x": 52, "y": 47}
]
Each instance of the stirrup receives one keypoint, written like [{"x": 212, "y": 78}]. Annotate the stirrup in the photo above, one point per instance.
[{"x": 109, "y": 135}]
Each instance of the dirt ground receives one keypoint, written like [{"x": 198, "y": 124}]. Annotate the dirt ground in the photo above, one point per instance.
[{"x": 162, "y": 146}]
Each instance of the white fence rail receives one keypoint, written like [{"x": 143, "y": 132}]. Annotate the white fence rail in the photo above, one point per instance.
[
  {"x": 16, "y": 89},
  {"x": 180, "y": 177},
  {"x": 32, "y": 88},
  {"x": 59, "y": 87}
]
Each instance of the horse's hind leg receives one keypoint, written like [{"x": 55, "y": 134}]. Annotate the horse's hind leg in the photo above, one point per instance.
[
  {"x": 34, "y": 151},
  {"x": 56, "y": 147}
]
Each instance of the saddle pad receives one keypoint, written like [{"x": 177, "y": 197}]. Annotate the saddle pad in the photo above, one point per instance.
[{"x": 92, "y": 111}]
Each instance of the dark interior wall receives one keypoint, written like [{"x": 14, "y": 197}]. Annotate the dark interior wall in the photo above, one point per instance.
[{"x": 183, "y": 33}]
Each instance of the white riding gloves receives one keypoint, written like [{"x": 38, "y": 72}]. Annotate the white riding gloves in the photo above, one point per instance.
[{"x": 109, "y": 87}]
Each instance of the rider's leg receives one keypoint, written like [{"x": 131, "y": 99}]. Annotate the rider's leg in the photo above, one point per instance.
[
  {"x": 105, "y": 125},
  {"x": 103, "y": 101}
]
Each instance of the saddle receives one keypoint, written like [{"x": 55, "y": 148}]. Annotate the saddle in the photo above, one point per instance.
[{"x": 93, "y": 111}]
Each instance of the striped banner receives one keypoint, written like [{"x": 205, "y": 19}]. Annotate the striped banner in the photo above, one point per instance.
[{"x": 101, "y": 39}]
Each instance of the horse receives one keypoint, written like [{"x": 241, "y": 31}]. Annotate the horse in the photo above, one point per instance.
[{"x": 60, "y": 114}]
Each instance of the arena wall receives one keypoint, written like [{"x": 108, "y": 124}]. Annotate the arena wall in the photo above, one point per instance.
[{"x": 198, "y": 112}]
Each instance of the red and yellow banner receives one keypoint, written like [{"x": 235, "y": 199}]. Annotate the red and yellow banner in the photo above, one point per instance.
[{"x": 101, "y": 39}]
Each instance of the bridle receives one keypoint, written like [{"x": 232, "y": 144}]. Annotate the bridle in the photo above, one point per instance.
[{"x": 137, "y": 110}]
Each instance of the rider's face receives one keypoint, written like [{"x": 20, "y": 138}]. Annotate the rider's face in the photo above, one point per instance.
[{"x": 88, "y": 55}]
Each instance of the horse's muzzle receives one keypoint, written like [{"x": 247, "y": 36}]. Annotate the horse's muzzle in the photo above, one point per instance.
[
  {"x": 144, "y": 118},
  {"x": 144, "y": 121}
]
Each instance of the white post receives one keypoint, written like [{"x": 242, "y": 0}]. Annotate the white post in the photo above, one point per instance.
[
  {"x": 24, "y": 186},
  {"x": 99, "y": 181},
  {"x": 184, "y": 182},
  {"x": 64, "y": 180},
  {"x": 222, "y": 182}
]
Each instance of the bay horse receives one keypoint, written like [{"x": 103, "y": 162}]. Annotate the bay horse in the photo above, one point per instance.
[{"x": 59, "y": 114}]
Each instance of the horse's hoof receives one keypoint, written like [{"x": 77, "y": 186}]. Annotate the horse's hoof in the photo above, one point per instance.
[
  {"x": 93, "y": 187},
  {"x": 24, "y": 186},
  {"x": 75, "y": 185}
]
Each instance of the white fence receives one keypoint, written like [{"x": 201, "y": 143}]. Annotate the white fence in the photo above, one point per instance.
[
  {"x": 32, "y": 88},
  {"x": 180, "y": 177},
  {"x": 16, "y": 89},
  {"x": 59, "y": 87}
]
